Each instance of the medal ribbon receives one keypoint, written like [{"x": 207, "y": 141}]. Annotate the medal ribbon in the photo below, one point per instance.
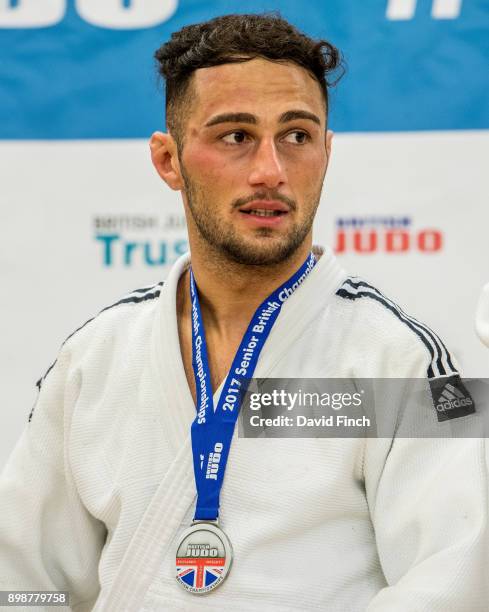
[{"x": 213, "y": 427}]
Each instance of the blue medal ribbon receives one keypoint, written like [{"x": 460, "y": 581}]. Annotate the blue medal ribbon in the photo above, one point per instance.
[{"x": 213, "y": 427}]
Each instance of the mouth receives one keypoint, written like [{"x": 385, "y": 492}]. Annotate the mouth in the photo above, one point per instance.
[
  {"x": 265, "y": 208},
  {"x": 261, "y": 212}
]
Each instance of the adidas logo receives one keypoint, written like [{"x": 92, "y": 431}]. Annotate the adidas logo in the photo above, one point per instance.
[{"x": 451, "y": 397}]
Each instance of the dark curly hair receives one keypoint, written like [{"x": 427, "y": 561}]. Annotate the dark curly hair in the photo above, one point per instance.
[{"x": 238, "y": 38}]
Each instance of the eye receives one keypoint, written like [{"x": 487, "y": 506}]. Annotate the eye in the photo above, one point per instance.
[
  {"x": 297, "y": 137},
  {"x": 234, "y": 138}
]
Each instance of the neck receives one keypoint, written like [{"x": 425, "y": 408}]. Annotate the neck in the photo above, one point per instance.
[{"x": 229, "y": 293}]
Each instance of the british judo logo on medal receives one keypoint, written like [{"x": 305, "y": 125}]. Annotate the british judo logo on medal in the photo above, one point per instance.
[{"x": 203, "y": 558}]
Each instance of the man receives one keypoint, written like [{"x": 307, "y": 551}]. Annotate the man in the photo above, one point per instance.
[{"x": 100, "y": 493}]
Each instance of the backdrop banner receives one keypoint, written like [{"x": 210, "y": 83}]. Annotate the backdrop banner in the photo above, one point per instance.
[{"x": 85, "y": 219}]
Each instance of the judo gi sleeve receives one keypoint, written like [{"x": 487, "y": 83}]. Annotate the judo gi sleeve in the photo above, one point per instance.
[
  {"x": 48, "y": 539},
  {"x": 429, "y": 509}
]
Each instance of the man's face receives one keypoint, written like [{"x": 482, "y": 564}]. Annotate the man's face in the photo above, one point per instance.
[{"x": 254, "y": 159}]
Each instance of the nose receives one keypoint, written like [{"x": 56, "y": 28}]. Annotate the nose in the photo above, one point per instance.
[{"x": 267, "y": 169}]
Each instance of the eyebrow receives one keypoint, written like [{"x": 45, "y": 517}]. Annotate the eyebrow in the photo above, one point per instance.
[
  {"x": 232, "y": 118},
  {"x": 291, "y": 115}
]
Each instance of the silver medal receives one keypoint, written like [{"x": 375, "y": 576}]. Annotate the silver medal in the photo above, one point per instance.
[{"x": 204, "y": 557}]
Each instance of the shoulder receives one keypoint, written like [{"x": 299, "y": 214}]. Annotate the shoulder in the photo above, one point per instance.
[
  {"x": 382, "y": 322},
  {"x": 113, "y": 326},
  {"x": 131, "y": 306}
]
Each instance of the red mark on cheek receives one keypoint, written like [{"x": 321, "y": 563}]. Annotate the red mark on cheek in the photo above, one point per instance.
[{"x": 207, "y": 163}]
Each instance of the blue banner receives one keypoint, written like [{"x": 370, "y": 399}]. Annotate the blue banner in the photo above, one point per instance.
[{"x": 84, "y": 69}]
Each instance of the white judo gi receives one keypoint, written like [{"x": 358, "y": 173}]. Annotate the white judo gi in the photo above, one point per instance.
[{"x": 101, "y": 484}]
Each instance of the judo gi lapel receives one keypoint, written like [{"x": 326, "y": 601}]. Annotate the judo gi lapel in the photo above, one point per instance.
[
  {"x": 177, "y": 406},
  {"x": 301, "y": 309}
]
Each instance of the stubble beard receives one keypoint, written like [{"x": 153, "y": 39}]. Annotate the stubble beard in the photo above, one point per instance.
[{"x": 225, "y": 241}]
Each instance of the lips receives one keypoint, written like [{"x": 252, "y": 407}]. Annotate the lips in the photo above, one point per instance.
[{"x": 264, "y": 208}]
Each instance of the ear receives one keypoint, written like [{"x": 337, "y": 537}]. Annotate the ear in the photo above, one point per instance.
[
  {"x": 328, "y": 142},
  {"x": 164, "y": 156}
]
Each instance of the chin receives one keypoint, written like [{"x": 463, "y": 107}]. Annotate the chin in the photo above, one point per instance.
[{"x": 259, "y": 252}]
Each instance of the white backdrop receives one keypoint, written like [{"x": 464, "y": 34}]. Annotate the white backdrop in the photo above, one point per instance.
[{"x": 56, "y": 272}]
